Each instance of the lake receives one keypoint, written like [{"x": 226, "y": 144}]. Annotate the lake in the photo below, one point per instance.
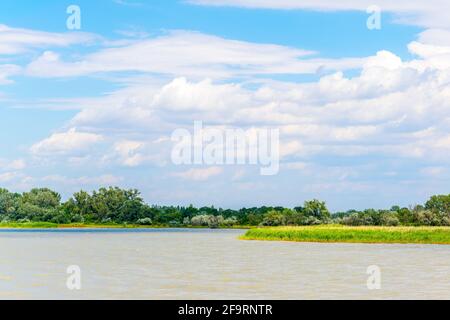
[{"x": 211, "y": 264}]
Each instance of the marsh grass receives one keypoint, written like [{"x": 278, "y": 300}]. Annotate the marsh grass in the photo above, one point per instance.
[
  {"x": 335, "y": 233},
  {"x": 49, "y": 225},
  {"x": 28, "y": 225}
]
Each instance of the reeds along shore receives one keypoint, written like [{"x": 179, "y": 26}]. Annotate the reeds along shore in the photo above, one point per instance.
[{"x": 401, "y": 235}]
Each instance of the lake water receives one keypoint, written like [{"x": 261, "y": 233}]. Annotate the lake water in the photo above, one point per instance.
[{"x": 212, "y": 264}]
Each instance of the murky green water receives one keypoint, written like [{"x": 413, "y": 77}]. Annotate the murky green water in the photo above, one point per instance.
[{"x": 204, "y": 264}]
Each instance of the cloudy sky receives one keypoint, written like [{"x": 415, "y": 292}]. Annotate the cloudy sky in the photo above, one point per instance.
[{"x": 364, "y": 115}]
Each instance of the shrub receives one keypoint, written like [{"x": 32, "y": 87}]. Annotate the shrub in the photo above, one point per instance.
[
  {"x": 389, "y": 219},
  {"x": 230, "y": 222},
  {"x": 357, "y": 219},
  {"x": 312, "y": 221},
  {"x": 273, "y": 218},
  {"x": 145, "y": 222}
]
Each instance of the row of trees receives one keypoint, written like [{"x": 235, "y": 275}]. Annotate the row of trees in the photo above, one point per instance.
[
  {"x": 115, "y": 205},
  {"x": 435, "y": 212}
]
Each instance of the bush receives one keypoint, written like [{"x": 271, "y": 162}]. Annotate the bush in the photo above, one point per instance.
[
  {"x": 312, "y": 221},
  {"x": 273, "y": 219},
  {"x": 230, "y": 222},
  {"x": 106, "y": 220},
  {"x": 174, "y": 223},
  {"x": 390, "y": 219},
  {"x": 210, "y": 221},
  {"x": 60, "y": 219},
  {"x": 145, "y": 222},
  {"x": 200, "y": 221},
  {"x": 357, "y": 219},
  {"x": 426, "y": 218}
]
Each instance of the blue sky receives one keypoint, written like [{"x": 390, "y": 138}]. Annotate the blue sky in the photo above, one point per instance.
[{"x": 363, "y": 114}]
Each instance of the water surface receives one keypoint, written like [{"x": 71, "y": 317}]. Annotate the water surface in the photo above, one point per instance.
[{"x": 211, "y": 264}]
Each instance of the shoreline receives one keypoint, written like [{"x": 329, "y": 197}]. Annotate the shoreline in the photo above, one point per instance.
[
  {"x": 331, "y": 234},
  {"x": 52, "y": 226}
]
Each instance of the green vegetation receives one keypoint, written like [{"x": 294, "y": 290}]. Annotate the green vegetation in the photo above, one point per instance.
[
  {"x": 50, "y": 225},
  {"x": 28, "y": 225},
  {"x": 115, "y": 207},
  {"x": 336, "y": 233}
]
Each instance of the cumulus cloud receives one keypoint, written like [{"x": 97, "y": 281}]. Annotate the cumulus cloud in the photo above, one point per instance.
[
  {"x": 65, "y": 143},
  {"x": 128, "y": 152},
  {"x": 394, "y": 108},
  {"x": 182, "y": 95}
]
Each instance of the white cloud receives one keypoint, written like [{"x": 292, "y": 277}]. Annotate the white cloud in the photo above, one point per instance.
[
  {"x": 182, "y": 95},
  {"x": 16, "y": 40},
  {"x": 193, "y": 54},
  {"x": 17, "y": 164},
  {"x": 8, "y": 70},
  {"x": 16, "y": 180},
  {"x": 65, "y": 143},
  {"x": 103, "y": 180},
  {"x": 393, "y": 108},
  {"x": 431, "y": 13},
  {"x": 202, "y": 174},
  {"x": 435, "y": 36},
  {"x": 129, "y": 152},
  {"x": 133, "y": 32},
  {"x": 8, "y": 176}
]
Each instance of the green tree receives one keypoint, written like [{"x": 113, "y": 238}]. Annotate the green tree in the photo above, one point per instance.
[
  {"x": 273, "y": 218},
  {"x": 9, "y": 202},
  {"x": 405, "y": 216},
  {"x": 316, "y": 209},
  {"x": 439, "y": 204},
  {"x": 43, "y": 198},
  {"x": 39, "y": 205}
]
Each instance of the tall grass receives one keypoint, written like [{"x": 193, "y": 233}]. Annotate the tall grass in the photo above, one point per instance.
[
  {"x": 28, "y": 225},
  {"x": 49, "y": 225},
  {"x": 423, "y": 235}
]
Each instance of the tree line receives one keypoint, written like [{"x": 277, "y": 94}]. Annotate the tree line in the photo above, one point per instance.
[{"x": 119, "y": 206}]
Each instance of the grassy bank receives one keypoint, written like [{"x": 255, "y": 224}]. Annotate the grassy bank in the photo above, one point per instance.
[
  {"x": 423, "y": 235},
  {"x": 49, "y": 225}
]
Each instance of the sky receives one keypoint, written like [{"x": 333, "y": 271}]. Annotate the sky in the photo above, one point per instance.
[{"x": 363, "y": 113}]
